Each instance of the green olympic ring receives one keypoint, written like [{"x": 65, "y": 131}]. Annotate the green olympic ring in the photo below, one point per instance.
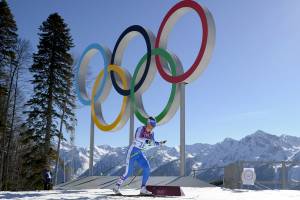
[{"x": 138, "y": 107}]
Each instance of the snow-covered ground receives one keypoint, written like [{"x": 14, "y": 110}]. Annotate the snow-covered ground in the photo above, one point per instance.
[{"x": 190, "y": 193}]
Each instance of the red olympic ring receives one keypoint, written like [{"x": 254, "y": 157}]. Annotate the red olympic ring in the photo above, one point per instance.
[{"x": 200, "y": 11}]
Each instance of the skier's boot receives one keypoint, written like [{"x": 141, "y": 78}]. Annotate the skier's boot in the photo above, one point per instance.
[
  {"x": 144, "y": 191},
  {"x": 116, "y": 189}
]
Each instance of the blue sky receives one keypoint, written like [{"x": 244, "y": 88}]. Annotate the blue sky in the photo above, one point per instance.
[{"x": 251, "y": 83}]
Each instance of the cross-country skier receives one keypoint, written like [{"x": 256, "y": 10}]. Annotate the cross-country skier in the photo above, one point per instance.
[{"x": 143, "y": 136}]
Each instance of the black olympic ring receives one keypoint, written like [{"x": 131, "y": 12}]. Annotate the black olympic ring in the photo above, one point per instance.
[{"x": 143, "y": 32}]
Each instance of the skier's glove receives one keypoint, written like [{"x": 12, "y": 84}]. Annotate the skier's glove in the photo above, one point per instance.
[
  {"x": 162, "y": 142},
  {"x": 148, "y": 142}
]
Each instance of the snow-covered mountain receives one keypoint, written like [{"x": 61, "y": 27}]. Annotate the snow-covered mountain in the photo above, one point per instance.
[{"x": 259, "y": 146}]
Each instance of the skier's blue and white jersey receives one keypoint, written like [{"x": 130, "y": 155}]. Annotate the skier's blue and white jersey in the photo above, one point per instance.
[
  {"x": 142, "y": 138},
  {"x": 135, "y": 154}
]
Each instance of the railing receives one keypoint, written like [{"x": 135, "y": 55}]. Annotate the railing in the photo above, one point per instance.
[
  {"x": 281, "y": 179},
  {"x": 282, "y": 166},
  {"x": 205, "y": 169},
  {"x": 218, "y": 181}
]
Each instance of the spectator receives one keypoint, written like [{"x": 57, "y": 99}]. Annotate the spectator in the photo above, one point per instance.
[{"x": 47, "y": 177}]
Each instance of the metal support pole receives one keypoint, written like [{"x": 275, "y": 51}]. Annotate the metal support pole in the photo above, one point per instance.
[
  {"x": 239, "y": 174},
  {"x": 131, "y": 124},
  {"x": 182, "y": 129},
  {"x": 91, "y": 160},
  {"x": 64, "y": 170},
  {"x": 283, "y": 175}
]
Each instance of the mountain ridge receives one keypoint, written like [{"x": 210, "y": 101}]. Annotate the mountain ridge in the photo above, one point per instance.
[{"x": 258, "y": 146}]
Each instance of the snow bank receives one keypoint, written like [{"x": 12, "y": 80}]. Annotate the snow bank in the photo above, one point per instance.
[{"x": 190, "y": 193}]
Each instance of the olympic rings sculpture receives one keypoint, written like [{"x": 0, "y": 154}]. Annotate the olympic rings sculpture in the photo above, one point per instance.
[{"x": 132, "y": 87}]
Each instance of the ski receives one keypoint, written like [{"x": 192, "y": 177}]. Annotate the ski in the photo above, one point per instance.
[{"x": 135, "y": 195}]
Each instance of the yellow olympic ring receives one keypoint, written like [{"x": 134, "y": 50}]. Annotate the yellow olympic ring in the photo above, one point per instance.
[{"x": 123, "y": 115}]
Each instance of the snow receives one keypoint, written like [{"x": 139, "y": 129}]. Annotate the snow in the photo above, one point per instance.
[
  {"x": 197, "y": 165},
  {"x": 65, "y": 148},
  {"x": 85, "y": 164},
  {"x": 189, "y": 155},
  {"x": 100, "y": 151},
  {"x": 297, "y": 150},
  {"x": 167, "y": 157},
  {"x": 190, "y": 193}
]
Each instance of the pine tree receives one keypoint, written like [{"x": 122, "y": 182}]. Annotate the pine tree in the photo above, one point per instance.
[
  {"x": 15, "y": 116},
  {"x": 8, "y": 37},
  {"x": 51, "y": 70},
  {"x": 8, "y": 40},
  {"x": 68, "y": 117}
]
